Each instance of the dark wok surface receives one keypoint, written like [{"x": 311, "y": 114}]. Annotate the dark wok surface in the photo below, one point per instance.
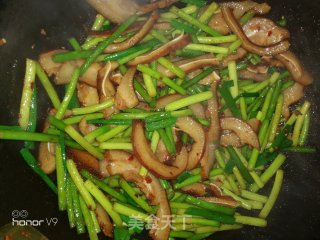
[{"x": 297, "y": 211}]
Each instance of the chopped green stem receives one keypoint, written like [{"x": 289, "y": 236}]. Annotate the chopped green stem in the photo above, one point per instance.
[
  {"x": 193, "y": 220},
  {"x": 170, "y": 66},
  {"x": 273, "y": 195},
  {"x": 88, "y": 220},
  {"x": 188, "y": 181},
  {"x": 48, "y": 86},
  {"x": 151, "y": 89},
  {"x": 246, "y": 18},
  {"x": 88, "y": 117},
  {"x": 217, "y": 40},
  {"x": 114, "y": 193},
  {"x": 208, "y": 13},
  {"x": 29, "y": 79},
  {"x": 112, "y": 133},
  {"x": 252, "y": 221},
  {"x": 83, "y": 142},
  {"x": 143, "y": 93},
  {"x": 133, "y": 55},
  {"x": 210, "y": 206},
  {"x": 299, "y": 123},
  {"x": 300, "y": 149},
  {"x": 61, "y": 178},
  {"x": 104, "y": 201},
  {"x": 74, "y": 44},
  {"x": 95, "y": 222},
  {"x": 253, "y": 196},
  {"x": 130, "y": 212},
  {"x": 187, "y": 101},
  {"x": 76, "y": 177},
  {"x": 98, "y": 22},
  {"x": 269, "y": 172},
  {"x": 276, "y": 119},
  {"x": 79, "y": 221},
  {"x": 70, "y": 209},
  {"x": 305, "y": 129},
  {"x": 205, "y": 213},
  {"x": 65, "y": 103},
  {"x": 116, "y": 145},
  {"x": 166, "y": 141},
  {"x": 132, "y": 193},
  {"x": 94, "y": 108},
  {"x": 207, "y": 48},
  {"x": 167, "y": 122},
  {"x": 194, "y": 22}
]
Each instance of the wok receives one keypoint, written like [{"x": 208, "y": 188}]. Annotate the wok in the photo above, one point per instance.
[{"x": 296, "y": 214}]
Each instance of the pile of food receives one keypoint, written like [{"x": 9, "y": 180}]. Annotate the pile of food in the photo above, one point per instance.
[{"x": 173, "y": 118}]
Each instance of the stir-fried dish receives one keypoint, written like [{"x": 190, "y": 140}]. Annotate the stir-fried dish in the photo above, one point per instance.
[{"x": 175, "y": 115}]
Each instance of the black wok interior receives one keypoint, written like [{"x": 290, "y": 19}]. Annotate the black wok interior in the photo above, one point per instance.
[{"x": 297, "y": 211}]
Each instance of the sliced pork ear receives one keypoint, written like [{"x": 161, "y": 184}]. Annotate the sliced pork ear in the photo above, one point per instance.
[
  {"x": 293, "y": 64},
  {"x": 63, "y": 76},
  {"x": 223, "y": 201},
  {"x": 197, "y": 133},
  {"x": 230, "y": 138},
  {"x": 290, "y": 96},
  {"x": 254, "y": 124},
  {"x": 198, "y": 110},
  {"x": 242, "y": 129},
  {"x": 105, "y": 88},
  {"x": 84, "y": 160},
  {"x": 126, "y": 165},
  {"x": 126, "y": 96},
  {"x": 143, "y": 152},
  {"x": 86, "y": 128},
  {"x": 264, "y": 32},
  {"x": 218, "y": 22},
  {"x": 46, "y": 62},
  {"x": 87, "y": 95},
  {"x": 91, "y": 75},
  {"x": 46, "y": 157},
  {"x": 196, "y": 189},
  {"x": 208, "y": 159},
  {"x": 214, "y": 130},
  {"x": 246, "y": 43},
  {"x": 104, "y": 221}
]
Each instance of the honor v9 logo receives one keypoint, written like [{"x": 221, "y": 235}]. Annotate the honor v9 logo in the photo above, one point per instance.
[{"x": 20, "y": 218}]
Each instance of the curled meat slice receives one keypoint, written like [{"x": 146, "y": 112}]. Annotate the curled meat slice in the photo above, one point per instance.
[
  {"x": 230, "y": 138},
  {"x": 87, "y": 95},
  {"x": 264, "y": 32},
  {"x": 46, "y": 62},
  {"x": 246, "y": 43},
  {"x": 197, "y": 133},
  {"x": 290, "y": 96},
  {"x": 242, "y": 129},
  {"x": 126, "y": 96},
  {"x": 293, "y": 64},
  {"x": 146, "y": 157},
  {"x": 126, "y": 165}
]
